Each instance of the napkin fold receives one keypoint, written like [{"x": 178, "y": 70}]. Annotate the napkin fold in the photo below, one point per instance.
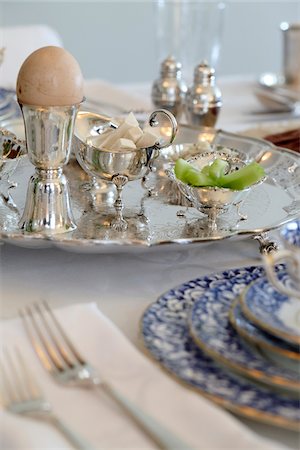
[
  {"x": 198, "y": 422},
  {"x": 112, "y": 100}
]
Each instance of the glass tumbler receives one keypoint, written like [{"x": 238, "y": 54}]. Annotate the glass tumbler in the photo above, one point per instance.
[{"x": 189, "y": 30}]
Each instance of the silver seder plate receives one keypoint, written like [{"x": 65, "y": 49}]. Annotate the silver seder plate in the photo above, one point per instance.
[{"x": 165, "y": 219}]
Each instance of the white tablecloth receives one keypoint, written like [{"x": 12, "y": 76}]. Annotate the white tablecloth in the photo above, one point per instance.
[{"x": 124, "y": 285}]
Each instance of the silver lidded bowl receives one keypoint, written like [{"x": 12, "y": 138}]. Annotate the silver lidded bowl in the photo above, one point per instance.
[
  {"x": 214, "y": 201},
  {"x": 119, "y": 166}
]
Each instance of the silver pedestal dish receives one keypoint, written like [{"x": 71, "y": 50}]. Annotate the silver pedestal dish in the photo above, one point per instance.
[
  {"x": 267, "y": 207},
  {"x": 122, "y": 166},
  {"x": 214, "y": 201}
]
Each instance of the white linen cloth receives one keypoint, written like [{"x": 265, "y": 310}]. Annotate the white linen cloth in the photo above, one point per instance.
[
  {"x": 241, "y": 110},
  {"x": 200, "y": 423},
  {"x": 111, "y": 99}
]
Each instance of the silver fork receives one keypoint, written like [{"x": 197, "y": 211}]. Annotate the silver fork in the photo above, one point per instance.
[
  {"x": 62, "y": 360},
  {"x": 20, "y": 394}
]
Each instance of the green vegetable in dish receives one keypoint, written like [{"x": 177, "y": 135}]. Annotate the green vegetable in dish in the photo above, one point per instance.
[
  {"x": 205, "y": 170},
  {"x": 218, "y": 169},
  {"x": 244, "y": 177},
  {"x": 182, "y": 170},
  {"x": 215, "y": 175},
  {"x": 186, "y": 173},
  {"x": 197, "y": 178}
]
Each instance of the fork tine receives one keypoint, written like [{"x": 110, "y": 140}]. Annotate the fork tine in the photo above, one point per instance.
[
  {"x": 45, "y": 351},
  {"x": 30, "y": 381},
  {"x": 62, "y": 349},
  {"x": 67, "y": 340},
  {"x": 4, "y": 398},
  {"x": 12, "y": 378},
  {"x": 7, "y": 392}
]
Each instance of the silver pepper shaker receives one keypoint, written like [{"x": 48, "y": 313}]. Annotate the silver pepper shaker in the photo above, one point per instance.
[
  {"x": 203, "y": 99},
  {"x": 168, "y": 92}
]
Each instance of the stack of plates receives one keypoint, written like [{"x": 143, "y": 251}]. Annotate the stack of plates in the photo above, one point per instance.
[
  {"x": 9, "y": 107},
  {"x": 233, "y": 338},
  {"x": 269, "y": 321}
]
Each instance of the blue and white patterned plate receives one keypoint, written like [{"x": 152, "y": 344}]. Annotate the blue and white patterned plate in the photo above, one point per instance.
[
  {"x": 212, "y": 331},
  {"x": 165, "y": 334},
  {"x": 266, "y": 342},
  {"x": 9, "y": 108},
  {"x": 5, "y": 97},
  {"x": 272, "y": 311},
  {"x": 291, "y": 233}
]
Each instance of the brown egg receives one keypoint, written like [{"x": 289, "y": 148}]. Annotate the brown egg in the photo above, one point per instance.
[{"x": 50, "y": 76}]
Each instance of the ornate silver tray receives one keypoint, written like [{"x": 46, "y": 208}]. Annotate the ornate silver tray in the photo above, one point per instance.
[{"x": 165, "y": 219}]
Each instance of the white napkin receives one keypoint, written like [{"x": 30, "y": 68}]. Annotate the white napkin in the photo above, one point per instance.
[
  {"x": 198, "y": 422},
  {"x": 110, "y": 99},
  {"x": 19, "y": 42}
]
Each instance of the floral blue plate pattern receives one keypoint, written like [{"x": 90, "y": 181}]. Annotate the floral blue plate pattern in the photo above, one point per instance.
[
  {"x": 272, "y": 311},
  {"x": 165, "y": 334},
  {"x": 5, "y": 97},
  {"x": 212, "y": 331},
  {"x": 289, "y": 234},
  {"x": 265, "y": 341},
  {"x": 9, "y": 108}
]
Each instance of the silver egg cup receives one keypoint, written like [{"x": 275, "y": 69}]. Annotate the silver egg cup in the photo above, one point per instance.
[
  {"x": 122, "y": 166},
  {"x": 49, "y": 132}
]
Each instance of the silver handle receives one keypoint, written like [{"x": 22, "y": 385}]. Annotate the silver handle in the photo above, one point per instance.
[
  {"x": 162, "y": 437},
  {"x": 155, "y": 122},
  {"x": 74, "y": 438},
  {"x": 271, "y": 260}
]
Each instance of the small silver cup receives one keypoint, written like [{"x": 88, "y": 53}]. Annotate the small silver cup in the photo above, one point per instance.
[
  {"x": 49, "y": 132},
  {"x": 291, "y": 55}
]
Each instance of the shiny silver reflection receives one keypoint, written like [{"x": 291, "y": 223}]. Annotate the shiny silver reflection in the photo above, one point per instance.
[{"x": 49, "y": 132}]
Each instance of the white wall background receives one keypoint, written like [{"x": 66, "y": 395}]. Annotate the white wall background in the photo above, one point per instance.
[{"x": 116, "y": 40}]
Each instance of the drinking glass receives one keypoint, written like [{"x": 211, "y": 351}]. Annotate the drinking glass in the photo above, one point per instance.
[
  {"x": 190, "y": 31},
  {"x": 291, "y": 53}
]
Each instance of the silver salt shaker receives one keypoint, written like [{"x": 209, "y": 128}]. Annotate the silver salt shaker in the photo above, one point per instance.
[
  {"x": 203, "y": 99},
  {"x": 168, "y": 92}
]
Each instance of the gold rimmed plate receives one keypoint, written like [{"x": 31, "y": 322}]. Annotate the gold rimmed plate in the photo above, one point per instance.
[
  {"x": 166, "y": 337},
  {"x": 275, "y": 349},
  {"x": 212, "y": 331},
  {"x": 273, "y": 312}
]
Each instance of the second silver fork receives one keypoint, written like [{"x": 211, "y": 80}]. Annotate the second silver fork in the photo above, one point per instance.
[
  {"x": 20, "y": 394},
  {"x": 62, "y": 360}
]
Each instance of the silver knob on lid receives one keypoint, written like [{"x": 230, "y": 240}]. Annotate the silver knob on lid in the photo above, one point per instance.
[
  {"x": 168, "y": 92},
  {"x": 204, "y": 74},
  {"x": 170, "y": 68},
  {"x": 203, "y": 99}
]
